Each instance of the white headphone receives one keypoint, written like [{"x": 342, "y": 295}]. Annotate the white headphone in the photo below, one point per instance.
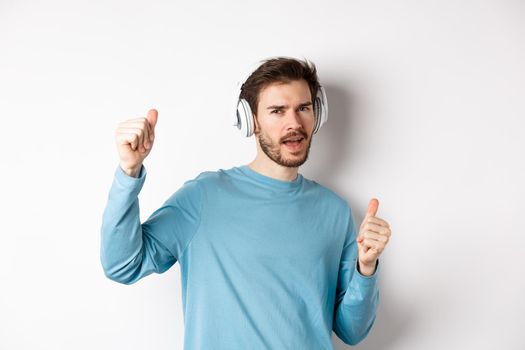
[{"x": 243, "y": 118}]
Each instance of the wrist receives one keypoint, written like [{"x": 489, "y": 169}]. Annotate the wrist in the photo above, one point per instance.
[
  {"x": 132, "y": 171},
  {"x": 366, "y": 269}
]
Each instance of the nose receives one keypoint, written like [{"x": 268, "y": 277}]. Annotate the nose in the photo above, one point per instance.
[{"x": 293, "y": 120}]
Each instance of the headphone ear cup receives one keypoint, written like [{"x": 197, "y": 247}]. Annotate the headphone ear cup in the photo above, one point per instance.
[
  {"x": 245, "y": 117},
  {"x": 317, "y": 112},
  {"x": 321, "y": 109}
]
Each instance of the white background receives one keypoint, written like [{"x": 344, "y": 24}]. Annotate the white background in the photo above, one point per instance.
[{"x": 427, "y": 107}]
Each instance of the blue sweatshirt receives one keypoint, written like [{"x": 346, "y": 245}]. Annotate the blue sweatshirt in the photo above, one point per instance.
[{"x": 265, "y": 263}]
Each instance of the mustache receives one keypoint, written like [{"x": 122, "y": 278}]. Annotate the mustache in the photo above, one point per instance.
[{"x": 297, "y": 133}]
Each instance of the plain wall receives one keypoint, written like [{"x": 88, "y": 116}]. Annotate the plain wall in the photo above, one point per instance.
[{"x": 426, "y": 113}]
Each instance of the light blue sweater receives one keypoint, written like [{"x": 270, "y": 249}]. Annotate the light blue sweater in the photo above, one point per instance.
[{"x": 265, "y": 263}]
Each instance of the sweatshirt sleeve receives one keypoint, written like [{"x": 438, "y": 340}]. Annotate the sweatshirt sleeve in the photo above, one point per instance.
[
  {"x": 357, "y": 296},
  {"x": 130, "y": 250}
]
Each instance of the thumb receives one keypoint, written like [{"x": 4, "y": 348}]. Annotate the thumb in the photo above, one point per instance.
[
  {"x": 372, "y": 211},
  {"x": 372, "y": 207},
  {"x": 152, "y": 117}
]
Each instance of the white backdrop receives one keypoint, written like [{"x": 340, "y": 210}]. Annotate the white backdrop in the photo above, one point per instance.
[{"x": 427, "y": 107}]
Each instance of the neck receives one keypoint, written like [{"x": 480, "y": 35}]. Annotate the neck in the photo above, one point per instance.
[{"x": 268, "y": 167}]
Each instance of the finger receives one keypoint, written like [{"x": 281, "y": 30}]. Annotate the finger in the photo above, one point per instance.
[
  {"x": 135, "y": 142},
  {"x": 376, "y": 228},
  {"x": 379, "y": 221},
  {"x": 133, "y": 119},
  {"x": 151, "y": 137},
  {"x": 360, "y": 245},
  {"x": 148, "y": 139},
  {"x": 142, "y": 126},
  {"x": 372, "y": 207},
  {"x": 134, "y": 124},
  {"x": 130, "y": 138},
  {"x": 140, "y": 145},
  {"x": 152, "y": 118},
  {"x": 146, "y": 131},
  {"x": 376, "y": 237},
  {"x": 127, "y": 130},
  {"x": 373, "y": 244},
  {"x": 151, "y": 129}
]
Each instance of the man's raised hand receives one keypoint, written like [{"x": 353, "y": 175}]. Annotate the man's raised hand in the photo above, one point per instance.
[
  {"x": 134, "y": 138},
  {"x": 374, "y": 234}
]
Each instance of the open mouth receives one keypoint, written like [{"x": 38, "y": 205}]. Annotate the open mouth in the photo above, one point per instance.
[{"x": 294, "y": 143}]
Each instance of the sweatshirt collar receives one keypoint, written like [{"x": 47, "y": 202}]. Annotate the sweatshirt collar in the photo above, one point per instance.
[{"x": 276, "y": 183}]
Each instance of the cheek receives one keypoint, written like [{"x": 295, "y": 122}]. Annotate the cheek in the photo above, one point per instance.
[
  {"x": 309, "y": 124},
  {"x": 268, "y": 135},
  {"x": 270, "y": 129}
]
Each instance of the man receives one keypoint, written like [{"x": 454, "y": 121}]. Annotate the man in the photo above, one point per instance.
[{"x": 268, "y": 258}]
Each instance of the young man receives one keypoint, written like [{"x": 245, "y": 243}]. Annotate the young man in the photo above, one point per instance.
[{"x": 268, "y": 258}]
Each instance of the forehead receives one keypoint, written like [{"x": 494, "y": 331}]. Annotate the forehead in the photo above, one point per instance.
[{"x": 295, "y": 91}]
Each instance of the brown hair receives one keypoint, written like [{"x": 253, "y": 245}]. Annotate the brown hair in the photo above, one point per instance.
[{"x": 279, "y": 69}]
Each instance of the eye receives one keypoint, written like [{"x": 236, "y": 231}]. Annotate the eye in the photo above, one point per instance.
[
  {"x": 305, "y": 108},
  {"x": 276, "y": 111}
]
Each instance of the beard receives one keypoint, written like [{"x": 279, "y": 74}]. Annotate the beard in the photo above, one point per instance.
[{"x": 273, "y": 150}]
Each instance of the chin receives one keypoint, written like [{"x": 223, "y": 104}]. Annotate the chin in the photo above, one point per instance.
[{"x": 294, "y": 162}]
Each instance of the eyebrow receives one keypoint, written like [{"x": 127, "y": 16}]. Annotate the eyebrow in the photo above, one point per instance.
[{"x": 304, "y": 104}]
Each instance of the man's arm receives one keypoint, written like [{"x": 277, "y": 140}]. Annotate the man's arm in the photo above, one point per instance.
[
  {"x": 124, "y": 249},
  {"x": 130, "y": 250},
  {"x": 357, "y": 296}
]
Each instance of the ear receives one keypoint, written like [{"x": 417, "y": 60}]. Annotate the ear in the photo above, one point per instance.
[{"x": 255, "y": 123}]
